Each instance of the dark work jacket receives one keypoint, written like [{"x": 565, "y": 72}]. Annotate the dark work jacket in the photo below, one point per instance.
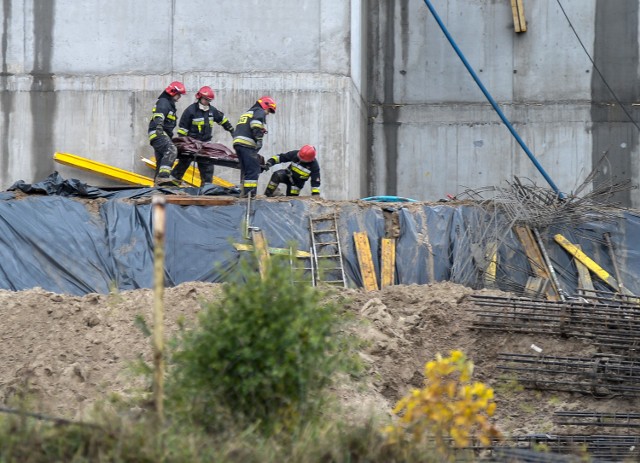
[
  {"x": 164, "y": 112},
  {"x": 299, "y": 171},
  {"x": 251, "y": 128},
  {"x": 198, "y": 124}
]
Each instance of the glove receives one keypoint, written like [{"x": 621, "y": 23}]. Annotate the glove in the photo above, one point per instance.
[
  {"x": 270, "y": 163},
  {"x": 228, "y": 127},
  {"x": 231, "y": 133},
  {"x": 159, "y": 130},
  {"x": 265, "y": 167},
  {"x": 258, "y": 145}
]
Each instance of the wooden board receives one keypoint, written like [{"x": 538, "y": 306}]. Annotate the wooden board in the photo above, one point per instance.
[
  {"x": 260, "y": 243},
  {"x": 519, "y": 21},
  {"x": 365, "y": 261},
  {"x": 388, "y": 255},
  {"x": 535, "y": 259},
  {"x": 584, "y": 277}
]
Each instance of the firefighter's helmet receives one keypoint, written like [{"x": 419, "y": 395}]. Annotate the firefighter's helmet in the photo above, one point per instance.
[
  {"x": 175, "y": 88},
  {"x": 307, "y": 153},
  {"x": 268, "y": 104},
  {"x": 206, "y": 93}
]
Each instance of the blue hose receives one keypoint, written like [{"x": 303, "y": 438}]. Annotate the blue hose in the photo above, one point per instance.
[{"x": 492, "y": 101}]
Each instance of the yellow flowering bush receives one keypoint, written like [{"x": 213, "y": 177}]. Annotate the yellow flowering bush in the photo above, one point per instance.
[{"x": 449, "y": 407}]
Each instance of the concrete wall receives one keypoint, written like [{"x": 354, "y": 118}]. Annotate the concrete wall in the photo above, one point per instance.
[
  {"x": 433, "y": 131},
  {"x": 81, "y": 77}
]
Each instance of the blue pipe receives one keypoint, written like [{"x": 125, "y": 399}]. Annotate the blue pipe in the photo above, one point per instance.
[{"x": 492, "y": 101}]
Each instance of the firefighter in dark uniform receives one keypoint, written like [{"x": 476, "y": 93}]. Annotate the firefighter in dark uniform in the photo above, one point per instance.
[
  {"x": 197, "y": 122},
  {"x": 247, "y": 141},
  {"x": 303, "y": 166},
  {"x": 163, "y": 121}
]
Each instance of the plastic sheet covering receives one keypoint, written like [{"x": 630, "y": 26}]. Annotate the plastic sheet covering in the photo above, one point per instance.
[{"x": 52, "y": 237}]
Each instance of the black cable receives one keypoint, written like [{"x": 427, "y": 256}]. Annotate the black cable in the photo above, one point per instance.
[{"x": 596, "y": 67}]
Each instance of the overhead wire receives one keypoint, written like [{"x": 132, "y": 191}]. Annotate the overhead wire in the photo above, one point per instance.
[{"x": 596, "y": 67}]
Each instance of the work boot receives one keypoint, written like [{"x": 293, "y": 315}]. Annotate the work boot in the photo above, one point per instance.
[{"x": 167, "y": 181}]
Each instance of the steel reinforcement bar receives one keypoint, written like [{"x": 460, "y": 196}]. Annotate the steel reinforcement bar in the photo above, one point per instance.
[
  {"x": 600, "y": 375},
  {"x": 596, "y": 419}
]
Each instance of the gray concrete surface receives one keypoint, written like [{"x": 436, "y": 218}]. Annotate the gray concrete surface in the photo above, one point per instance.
[{"x": 373, "y": 84}]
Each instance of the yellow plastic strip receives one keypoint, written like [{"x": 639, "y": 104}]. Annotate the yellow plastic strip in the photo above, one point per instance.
[
  {"x": 192, "y": 175},
  {"x": 388, "y": 270},
  {"x": 590, "y": 264},
  {"x": 366, "y": 262},
  {"x": 105, "y": 170}
]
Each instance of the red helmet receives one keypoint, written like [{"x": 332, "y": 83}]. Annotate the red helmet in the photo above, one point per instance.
[
  {"x": 267, "y": 103},
  {"x": 175, "y": 87},
  {"x": 307, "y": 153},
  {"x": 205, "y": 92}
]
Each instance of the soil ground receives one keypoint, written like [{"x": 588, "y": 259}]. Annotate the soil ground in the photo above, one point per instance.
[{"x": 71, "y": 352}]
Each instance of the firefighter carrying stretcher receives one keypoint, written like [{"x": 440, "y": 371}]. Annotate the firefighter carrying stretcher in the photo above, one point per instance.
[
  {"x": 197, "y": 122},
  {"x": 303, "y": 165}
]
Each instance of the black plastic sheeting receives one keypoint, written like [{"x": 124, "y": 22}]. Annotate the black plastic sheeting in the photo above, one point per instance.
[{"x": 52, "y": 240}]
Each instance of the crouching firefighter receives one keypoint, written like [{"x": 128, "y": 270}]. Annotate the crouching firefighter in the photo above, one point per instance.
[
  {"x": 163, "y": 121},
  {"x": 303, "y": 165}
]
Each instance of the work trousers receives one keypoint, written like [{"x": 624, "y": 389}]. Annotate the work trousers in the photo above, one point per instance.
[
  {"x": 165, "y": 152},
  {"x": 283, "y": 176},
  {"x": 205, "y": 167},
  {"x": 249, "y": 169}
]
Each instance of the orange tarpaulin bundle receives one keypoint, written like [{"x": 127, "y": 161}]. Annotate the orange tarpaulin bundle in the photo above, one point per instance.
[{"x": 219, "y": 154}]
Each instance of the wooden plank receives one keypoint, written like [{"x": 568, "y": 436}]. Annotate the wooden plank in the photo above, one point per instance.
[
  {"x": 491, "y": 256},
  {"x": 200, "y": 200},
  {"x": 536, "y": 287},
  {"x": 536, "y": 260},
  {"x": 260, "y": 243},
  {"x": 365, "y": 261},
  {"x": 273, "y": 251},
  {"x": 388, "y": 270},
  {"x": 519, "y": 21},
  {"x": 584, "y": 277}
]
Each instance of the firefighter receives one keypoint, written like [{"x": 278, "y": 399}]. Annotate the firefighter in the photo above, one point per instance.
[
  {"x": 163, "y": 121},
  {"x": 303, "y": 165},
  {"x": 197, "y": 122},
  {"x": 247, "y": 141}
]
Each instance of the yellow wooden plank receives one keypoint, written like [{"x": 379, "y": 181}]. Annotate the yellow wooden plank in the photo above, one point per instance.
[
  {"x": 192, "y": 175},
  {"x": 590, "y": 264},
  {"x": 100, "y": 168},
  {"x": 278, "y": 251},
  {"x": 536, "y": 260},
  {"x": 388, "y": 270},
  {"x": 365, "y": 261},
  {"x": 260, "y": 243}
]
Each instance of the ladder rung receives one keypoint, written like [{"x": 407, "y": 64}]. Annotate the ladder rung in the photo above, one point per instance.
[{"x": 327, "y": 243}]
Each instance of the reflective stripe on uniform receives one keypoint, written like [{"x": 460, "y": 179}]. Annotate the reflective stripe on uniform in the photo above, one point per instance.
[
  {"x": 295, "y": 191},
  {"x": 250, "y": 183},
  {"x": 245, "y": 141},
  {"x": 256, "y": 124},
  {"x": 171, "y": 117},
  {"x": 315, "y": 190},
  {"x": 301, "y": 171},
  {"x": 182, "y": 131}
]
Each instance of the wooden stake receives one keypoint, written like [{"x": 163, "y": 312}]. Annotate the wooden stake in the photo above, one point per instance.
[
  {"x": 388, "y": 254},
  {"x": 158, "y": 203}
]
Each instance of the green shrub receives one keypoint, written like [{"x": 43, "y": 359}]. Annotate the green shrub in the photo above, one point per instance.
[{"x": 260, "y": 354}]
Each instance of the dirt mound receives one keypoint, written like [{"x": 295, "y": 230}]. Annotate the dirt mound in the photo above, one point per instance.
[{"x": 72, "y": 351}]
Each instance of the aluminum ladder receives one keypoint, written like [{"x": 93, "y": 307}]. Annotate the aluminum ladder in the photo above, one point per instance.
[{"x": 326, "y": 251}]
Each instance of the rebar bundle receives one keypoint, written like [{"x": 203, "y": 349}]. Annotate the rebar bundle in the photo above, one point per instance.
[
  {"x": 604, "y": 447},
  {"x": 611, "y": 420},
  {"x": 609, "y": 324},
  {"x": 600, "y": 375}
]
